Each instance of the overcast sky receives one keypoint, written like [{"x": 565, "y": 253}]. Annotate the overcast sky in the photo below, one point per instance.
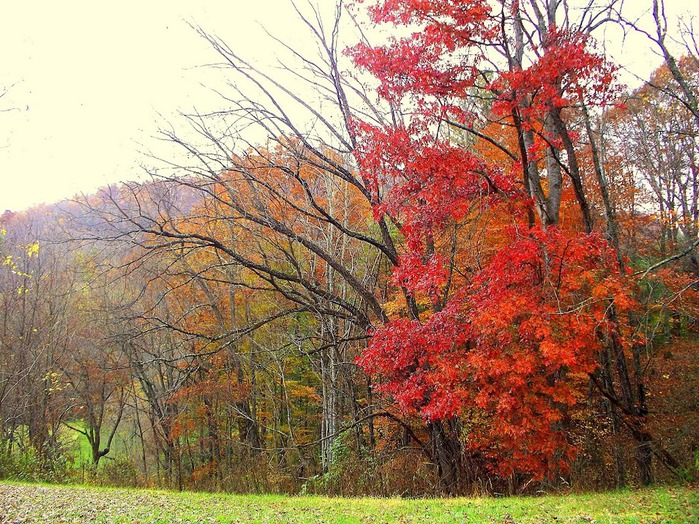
[{"x": 89, "y": 82}]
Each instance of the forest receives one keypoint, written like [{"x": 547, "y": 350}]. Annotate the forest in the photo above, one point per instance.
[{"x": 458, "y": 255}]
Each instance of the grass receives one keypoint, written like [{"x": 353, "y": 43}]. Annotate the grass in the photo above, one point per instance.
[{"x": 24, "y": 503}]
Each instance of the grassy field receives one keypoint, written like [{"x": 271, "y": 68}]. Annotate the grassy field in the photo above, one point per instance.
[{"x": 20, "y": 503}]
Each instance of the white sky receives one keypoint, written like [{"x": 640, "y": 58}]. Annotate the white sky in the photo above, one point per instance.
[{"x": 90, "y": 81}]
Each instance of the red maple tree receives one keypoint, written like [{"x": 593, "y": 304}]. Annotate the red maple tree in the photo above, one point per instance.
[{"x": 510, "y": 343}]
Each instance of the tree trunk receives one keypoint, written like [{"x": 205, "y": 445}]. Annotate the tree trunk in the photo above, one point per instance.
[{"x": 446, "y": 454}]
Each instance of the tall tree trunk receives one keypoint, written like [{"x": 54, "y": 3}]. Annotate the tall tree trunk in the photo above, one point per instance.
[
  {"x": 447, "y": 454},
  {"x": 612, "y": 413}
]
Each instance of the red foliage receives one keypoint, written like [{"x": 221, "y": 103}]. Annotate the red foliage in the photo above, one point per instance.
[
  {"x": 566, "y": 73},
  {"x": 512, "y": 346},
  {"x": 429, "y": 62},
  {"x": 429, "y": 180},
  {"x": 509, "y": 347}
]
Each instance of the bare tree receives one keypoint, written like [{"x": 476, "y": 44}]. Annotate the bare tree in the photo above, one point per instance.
[{"x": 290, "y": 219}]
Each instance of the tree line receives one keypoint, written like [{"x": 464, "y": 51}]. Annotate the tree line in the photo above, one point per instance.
[{"x": 463, "y": 259}]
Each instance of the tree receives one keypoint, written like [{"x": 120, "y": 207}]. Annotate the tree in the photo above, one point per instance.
[
  {"x": 657, "y": 135},
  {"x": 289, "y": 221},
  {"x": 471, "y": 239},
  {"x": 35, "y": 310},
  {"x": 659, "y": 34},
  {"x": 534, "y": 65},
  {"x": 94, "y": 370},
  {"x": 654, "y": 132}
]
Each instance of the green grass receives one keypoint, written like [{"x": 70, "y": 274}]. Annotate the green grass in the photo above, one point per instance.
[{"x": 41, "y": 503}]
